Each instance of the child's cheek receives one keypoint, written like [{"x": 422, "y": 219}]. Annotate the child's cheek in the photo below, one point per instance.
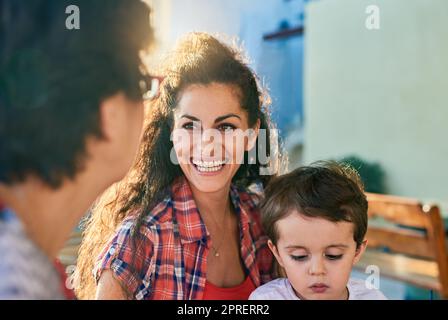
[
  {"x": 339, "y": 273},
  {"x": 297, "y": 272}
]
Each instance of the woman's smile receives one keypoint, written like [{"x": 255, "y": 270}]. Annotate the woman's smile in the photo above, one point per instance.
[{"x": 210, "y": 167}]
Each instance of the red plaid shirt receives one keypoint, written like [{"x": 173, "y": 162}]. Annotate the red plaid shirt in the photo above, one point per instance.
[{"x": 171, "y": 255}]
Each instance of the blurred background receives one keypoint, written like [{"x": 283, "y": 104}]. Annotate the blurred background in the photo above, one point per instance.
[
  {"x": 365, "y": 86},
  {"x": 374, "y": 97}
]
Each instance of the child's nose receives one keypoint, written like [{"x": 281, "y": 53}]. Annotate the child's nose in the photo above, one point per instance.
[{"x": 317, "y": 267}]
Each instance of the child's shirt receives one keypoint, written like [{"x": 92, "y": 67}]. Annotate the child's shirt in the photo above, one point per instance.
[{"x": 281, "y": 289}]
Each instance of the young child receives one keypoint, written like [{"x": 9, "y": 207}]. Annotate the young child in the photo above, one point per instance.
[{"x": 316, "y": 219}]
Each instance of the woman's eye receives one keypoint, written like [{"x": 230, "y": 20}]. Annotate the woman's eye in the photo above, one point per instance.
[
  {"x": 188, "y": 126},
  {"x": 334, "y": 257},
  {"x": 298, "y": 258},
  {"x": 227, "y": 127}
]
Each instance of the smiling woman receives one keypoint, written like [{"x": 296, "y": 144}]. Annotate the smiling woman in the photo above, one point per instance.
[{"x": 150, "y": 237}]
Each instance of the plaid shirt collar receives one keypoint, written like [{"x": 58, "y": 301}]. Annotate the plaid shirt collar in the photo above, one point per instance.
[{"x": 191, "y": 225}]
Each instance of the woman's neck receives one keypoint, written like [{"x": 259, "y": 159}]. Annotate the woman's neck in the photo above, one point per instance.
[{"x": 212, "y": 204}]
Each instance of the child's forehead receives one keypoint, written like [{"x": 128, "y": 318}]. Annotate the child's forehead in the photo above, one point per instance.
[
  {"x": 300, "y": 217},
  {"x": 334, "y": 245},
  {"x": 298, "y": 228}
]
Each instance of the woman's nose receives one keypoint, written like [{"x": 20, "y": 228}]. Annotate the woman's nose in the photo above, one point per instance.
[{"x": 210, "y": 141}]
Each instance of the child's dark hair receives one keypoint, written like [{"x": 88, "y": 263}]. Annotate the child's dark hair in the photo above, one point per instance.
[{"x": 325, "y": 189}]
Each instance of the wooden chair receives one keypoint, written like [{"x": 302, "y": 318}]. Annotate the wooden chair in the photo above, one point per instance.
[{"x": 412, "y": 248}]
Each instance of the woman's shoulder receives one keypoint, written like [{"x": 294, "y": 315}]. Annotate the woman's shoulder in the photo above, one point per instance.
[
  {"x": 148, "y": 224},
  {"x": 160, "y": 213}
]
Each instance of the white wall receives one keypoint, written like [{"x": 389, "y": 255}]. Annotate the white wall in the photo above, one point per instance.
[{"x": 381, "y": 94}]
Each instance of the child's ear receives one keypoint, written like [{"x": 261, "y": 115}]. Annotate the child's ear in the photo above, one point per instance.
[
  {"x": 359, "y": 251},
  {"x": 253, "y": 136},
  {"x": 275, "y": 252}
]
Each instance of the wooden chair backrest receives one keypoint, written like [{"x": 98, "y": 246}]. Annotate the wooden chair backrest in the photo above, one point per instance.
[{"x": 418, "y": 230}]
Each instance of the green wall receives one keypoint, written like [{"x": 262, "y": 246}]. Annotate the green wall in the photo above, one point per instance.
[{"x": 381, "y": 94}]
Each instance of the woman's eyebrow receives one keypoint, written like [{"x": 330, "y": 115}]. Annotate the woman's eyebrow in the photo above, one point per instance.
[
  {"x": 230, "y": 115},
  {"x": 219, "y": 119},
  {"x": 190, "y": 117}
]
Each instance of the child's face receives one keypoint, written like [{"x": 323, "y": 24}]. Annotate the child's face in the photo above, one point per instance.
[{"x": 317, "y": 255}]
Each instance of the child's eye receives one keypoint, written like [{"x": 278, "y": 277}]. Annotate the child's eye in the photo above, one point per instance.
[
  {"x": 299, "y": 258},
  {"x": 227, "y": 127},
  {"x": 334, "y": 257}
]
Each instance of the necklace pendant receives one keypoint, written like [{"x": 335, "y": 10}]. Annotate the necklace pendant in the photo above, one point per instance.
[{"x": 217, "y": 254}]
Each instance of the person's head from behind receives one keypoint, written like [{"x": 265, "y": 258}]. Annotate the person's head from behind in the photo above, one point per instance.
[
  {"x": 70, "y": 97},
  {"x": 316, "y": 219}
]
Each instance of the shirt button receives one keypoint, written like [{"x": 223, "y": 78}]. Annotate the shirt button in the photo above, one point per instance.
[{"x": 111, "y": 251}]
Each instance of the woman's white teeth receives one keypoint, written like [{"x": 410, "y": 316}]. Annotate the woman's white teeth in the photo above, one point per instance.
[
  {"x": 208, "y": 166},
  {"x": 213, "y": 169}
]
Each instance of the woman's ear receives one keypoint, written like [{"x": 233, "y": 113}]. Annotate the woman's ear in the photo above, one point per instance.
[
  {"x": 253, "y": 135},
  {"x": 274, "y": 250},
  {"x": 359, "y": 251}
]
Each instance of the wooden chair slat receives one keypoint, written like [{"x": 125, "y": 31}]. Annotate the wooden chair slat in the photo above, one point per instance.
[
  {"x": 396, "y": 209},
  {"x": 409, "y": 242},
  {"x": 417, "y": 256},
  {"x": 416, "y": 272}
]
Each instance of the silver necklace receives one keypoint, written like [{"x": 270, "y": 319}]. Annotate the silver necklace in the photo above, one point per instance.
[{"x": 215, "y": 249}]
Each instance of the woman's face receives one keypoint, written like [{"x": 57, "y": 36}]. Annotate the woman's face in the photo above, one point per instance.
[{"x": 211, "y": 133}]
